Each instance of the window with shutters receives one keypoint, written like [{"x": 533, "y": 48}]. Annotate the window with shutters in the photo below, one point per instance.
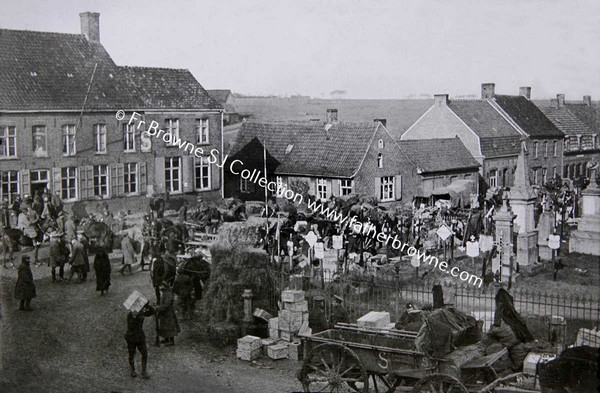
[
  {"x": 173, "y": 174},
  {"x": 202, "y": 173},
  {"x": 69, "y": 146},
  {"x": 172, "y": 128},
  {"x": 39, "y": 179},
  {"x": 68, "y": 183},
  {"x": 387, "y": 189},
  {"x": 9, "y": 184},
  {"x": 493, "y": 178},
  {"x": 322, "y": 191},
  {"x": 8, "y": 142},
  {"x": 346, "y": 187},
  {"x": 128, "y": 138},
  {"x": 130, "y": 177},
  {"x": 201, "y": 131},
  {"x": 38, "y": 141},
  {"x": 100, "y": 138},
  {"x": 101, "y": 180}
]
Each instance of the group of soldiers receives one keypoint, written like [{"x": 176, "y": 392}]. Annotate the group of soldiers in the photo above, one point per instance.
[{"x": 25, "y": 212}]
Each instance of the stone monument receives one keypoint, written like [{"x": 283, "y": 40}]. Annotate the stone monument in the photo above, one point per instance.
[
  {"x": 504, "y": 238},
  {"x": 522, "y": 202},
  {"x": 545, "y": 229},
  {"x": 586, "y": 239}
]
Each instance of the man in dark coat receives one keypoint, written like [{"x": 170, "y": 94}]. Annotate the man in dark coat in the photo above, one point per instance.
[
  {"x": 183, "y": 288},
  {"x": 339, "y": 314},
  {"x": 86, "y": 259},
  {"x": 136, "y": 339},
  {"x": 102, "y": 269},
  {"x": 168, "y": 326},
  {"x": 77, "y": 260},
  {"x": 5, "y": 213},
  {"x": 25, "y": 286},
  {"x": 58, "y": 255}
]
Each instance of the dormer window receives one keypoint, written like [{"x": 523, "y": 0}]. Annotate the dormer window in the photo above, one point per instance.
[
  {"x": 379, "y": 160},
  {"x": 380, "y": 143}
]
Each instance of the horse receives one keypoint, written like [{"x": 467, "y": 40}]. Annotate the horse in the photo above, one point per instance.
[
  {"x": 157, "y": 205},
  {"x": 162, "y": 269},
  {"x": 13, "y": 238},
  {"x": 198, "y": 269},
  {"x": 99, "y": 234}
]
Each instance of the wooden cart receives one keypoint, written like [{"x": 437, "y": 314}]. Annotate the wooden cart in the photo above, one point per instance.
[{"x": 354, "y": 359}]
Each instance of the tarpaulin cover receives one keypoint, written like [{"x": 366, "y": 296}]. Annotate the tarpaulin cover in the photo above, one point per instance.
[
  {"x": 446, "y": 329},
  {"x": 459, "y": 191}
]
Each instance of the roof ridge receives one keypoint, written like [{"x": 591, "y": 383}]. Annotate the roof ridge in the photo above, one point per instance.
[
  {"x": 155, "y": 68},
  {"x": 42, "y": 32}
]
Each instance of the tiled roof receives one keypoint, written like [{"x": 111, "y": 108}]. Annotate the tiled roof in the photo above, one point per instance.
[
  {"x": 528, "y": 116},
  {"x": 590, "y": 115},
  {"x": 500, "y": 146},
  {"x": 438, "y": 155},
  {"x": 311, "y": 148},
  {"x": 219, "y": 95},
  {"x": 565, "y": 120},
  {"x": 482, "y": 118},
  {"x": 52, "y": 71}
]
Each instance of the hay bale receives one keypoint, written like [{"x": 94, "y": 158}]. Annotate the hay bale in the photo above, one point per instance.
[{"x": 235, "y": 268}]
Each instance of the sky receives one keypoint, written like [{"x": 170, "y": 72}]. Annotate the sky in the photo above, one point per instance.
[{"x": 367, "y": 48}]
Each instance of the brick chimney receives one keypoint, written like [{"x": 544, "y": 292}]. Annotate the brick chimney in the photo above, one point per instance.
[
  {"x": 525, "y": 91},
  {"x": 90, "y": 25},
  {"x": 382, "y": 121},
  {"x": 587, "y": 100},
  {"x": 487, "y": 91},
  {"x": 440, "y": 99},
  {"x": 560, "y": 101},
  {"x": 332, "y": 116}
]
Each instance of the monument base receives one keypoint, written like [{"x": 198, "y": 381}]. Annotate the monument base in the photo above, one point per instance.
[
  {"x": 545, "y": 252},
  {"x": 585, "y": 242},
  {"x": 527, "y": 249}
]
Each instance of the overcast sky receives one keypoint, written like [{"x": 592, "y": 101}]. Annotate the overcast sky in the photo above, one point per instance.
[{"x": 370, "y": 48}]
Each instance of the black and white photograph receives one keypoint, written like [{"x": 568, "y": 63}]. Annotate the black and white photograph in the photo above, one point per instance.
[{"x": 279, "y": 196}]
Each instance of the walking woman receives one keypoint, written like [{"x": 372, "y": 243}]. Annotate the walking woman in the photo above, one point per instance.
[
  {"x": 25, "y": 286},
  {"x": 168, "y": 326},
  {"x": 102, "y": 269}
]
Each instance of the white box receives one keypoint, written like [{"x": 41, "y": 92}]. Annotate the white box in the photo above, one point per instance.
[
  {"x": 274, "y": 334},
  {"x": 376, "y": 319},
  {"x": 248, "y": 343},
  {"x": 301, "y": 305},
  {"x": 274, "y": 323},
  {"x": 278, "y": 351},
  {"x": 286, "y": 336},
  {"x": 295, "y": 351},
  {"x": 292, "y": 295},
  {"x": 135, "y": 302},
  {"x": 248, "y": 355},
  {"x": 533, "y": 359}
]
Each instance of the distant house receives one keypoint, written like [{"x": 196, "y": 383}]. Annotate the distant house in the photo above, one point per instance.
[
  {"x": 493, "y": 129},
  {"x": 227, "y": 101},
  {"x": 580, "y": 124},
  {"x": 60, "y": 94},
  {"x": 337, "y": 158}
]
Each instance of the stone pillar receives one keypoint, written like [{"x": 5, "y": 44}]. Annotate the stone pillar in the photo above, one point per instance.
[
  {"x": 504, "y": 235},
  {"x": 522, "y": 202},
  {"x": 586, "y": 239},
  {"x": 545, "y": 229},
  {"x": 248, "y": 319}
]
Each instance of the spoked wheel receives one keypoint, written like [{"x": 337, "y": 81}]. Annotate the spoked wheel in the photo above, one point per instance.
[
  {"x": 333, "y": 368},
  {"x": 439, "y": 383},
  {"x": 382, "y": 383}
]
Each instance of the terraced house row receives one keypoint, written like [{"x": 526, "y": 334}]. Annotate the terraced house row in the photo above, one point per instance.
[{"x": 58, "y": 129}]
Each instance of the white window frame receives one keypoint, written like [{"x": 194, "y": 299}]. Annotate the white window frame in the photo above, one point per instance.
[
  {"x": 244, "y": 186},
  {"x": 387, "y": 189},
  {"x": 555, "y": 149},
  {"x": 346, "y": 187},
  {"x": 100, "y": 138},
  {"x": 553, "y": 173},
  {"x": 544, "y": 176},
  {"x": 321, "y": 188},
  {"x": 69, "y": 139},
  {"x": 8, "y": 139},
  {"x": 535, "y": 176},
  {"x": 535, "y": 150},
  {"x": 128, "y": 138},
  {"x": 41, "y": 130},
  {"x": 379, "y": 160},
  {"x": 280, "y": 187},
  {"x": 131, "y": 178},
  {"x": 101, "y": 180},
  {"x": 202, "y": 171},
  {"x": 202, "y": 132},
  {"x": 172, "y": 128},
  {"x": 170, "y": 171},
  {"x": 493, "y": 178},
  {"x": 37, "y": 178},
  {"x": 545, "y": 148},
  {"x": 9, "y": 184},
  {"x": 72, "y": 176}
]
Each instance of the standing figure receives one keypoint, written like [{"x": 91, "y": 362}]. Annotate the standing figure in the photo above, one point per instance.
[
  {"x": 56, "y": 201},
  {"x": 58, "y": 255},
  {"x": 25, "y": 286},
  {"x": 102, "y": 269},
  {"x": 339, "y": 314},
  {"x": 70, "y": 228},
  {"x": 182, "y": 212},
  {"x": 77, "y": 260},
  {"x": 316, "y": 318},
  {"x": 128, "y": 253},
  {"x": 183, "y": 288},
  {"x": 38, "y": 203},
  {"x": 136, "y": 339},
  {"x": 86, "y": 260},
  {"x": 5, "y": 213},
  {"x": 168, "y": 326}
]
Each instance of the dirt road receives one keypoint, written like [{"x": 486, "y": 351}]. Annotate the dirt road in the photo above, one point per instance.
[{"x": 73, "y": 342}]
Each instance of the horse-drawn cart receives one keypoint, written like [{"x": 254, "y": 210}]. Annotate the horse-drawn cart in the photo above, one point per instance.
[{"x": 349, "y": 358}]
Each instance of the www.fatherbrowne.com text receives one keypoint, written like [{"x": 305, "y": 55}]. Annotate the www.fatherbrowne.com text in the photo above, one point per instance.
[{"x": 236, "y": 167}]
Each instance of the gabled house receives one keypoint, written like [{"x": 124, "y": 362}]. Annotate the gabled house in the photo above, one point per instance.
[
  {"x": 486, "y": 134},
  {"x": 226, "y": 100},
  {"x": 60, "y": 96},
  {"x": 582, "y": 141}
]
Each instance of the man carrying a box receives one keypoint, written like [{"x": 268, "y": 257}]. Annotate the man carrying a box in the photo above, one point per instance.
[{"x": 136, "y": 339}]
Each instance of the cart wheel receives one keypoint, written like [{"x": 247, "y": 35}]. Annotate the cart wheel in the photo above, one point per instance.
[
  {"x": 333, "y": 368},
  {"x": 386, "y": 383},
  {"x": 439, "y": 383}
]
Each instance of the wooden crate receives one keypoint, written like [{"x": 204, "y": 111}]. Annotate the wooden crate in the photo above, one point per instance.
[
  {"x": 301, "y": 306},
  {"x": 248, "y": 355},
  {"x": 292, "y": 295},
  {"x": 278, "y": 351},
  {"x": 376, "y": 319},
  {"x": 248, "y": 343}
]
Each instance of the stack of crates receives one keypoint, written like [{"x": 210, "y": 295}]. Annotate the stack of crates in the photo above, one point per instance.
[
  {"x": 249, "y": 348},
  {"x": 294, "y": 313}
]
